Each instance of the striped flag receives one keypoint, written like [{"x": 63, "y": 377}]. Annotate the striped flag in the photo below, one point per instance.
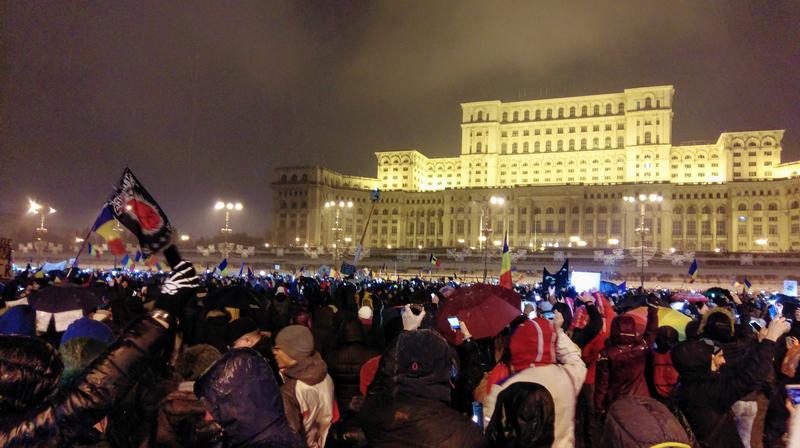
[
  {"x": 92, "y": 250},
  {"x": 505, "y": 266},
  {"x": 104, "y": 226},
  {"x": 126, "y": 262},
  {"x": 137, "y": 257},
  {"x": 747, "y": 283},
  {"x": 223, "y": 266},
  {"x": 693, "y": 271},
  {"x": 434, "y": 261}
]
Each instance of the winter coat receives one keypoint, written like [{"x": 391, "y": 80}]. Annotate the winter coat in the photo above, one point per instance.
[
  {"x": 665, "y": 377},
  {"x": 65, "y": 416},
  {"x": 344, "y": 364},
  {"x": 406, "y": 404},
  {"x": 622, "y": 363},
  {"x": 706, "y": 397},
  {"x": 245, "y": 400},
  {"x": 591, "y": 349},
  {"x": 181, "y": 422},
  {"x": 279, "y": 313},
  {"x": 636, "y": 421},
  {"x": 308, "y": 397},
  {"x": 563, "y": 380}
]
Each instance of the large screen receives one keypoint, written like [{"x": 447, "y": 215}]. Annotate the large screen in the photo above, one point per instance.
[{"x": 585, "y": 281}]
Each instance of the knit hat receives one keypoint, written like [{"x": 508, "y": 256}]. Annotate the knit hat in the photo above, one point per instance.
[
  {"x": 196, "y": 360},
  {"x": 19, "y": 320},
  {"x": 365, "y": 315},
  {"x": 692, "y": 358},
  {"x": 238, "y": 328},
  {"x": 533, "y": 343},
  {"x": 296, "y": 341},
  {"x": 88, "y": 328}
]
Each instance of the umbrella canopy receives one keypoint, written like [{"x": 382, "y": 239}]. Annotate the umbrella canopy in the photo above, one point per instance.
[
  {"x": 232, "y": 297},
  {"x": 688, "y": 296},
  {"x": 666, "y": 317},
  {"x": 486, "y": 310},
  {"x": 608, "y": 288},
  {"x": 57, "y": 299}
]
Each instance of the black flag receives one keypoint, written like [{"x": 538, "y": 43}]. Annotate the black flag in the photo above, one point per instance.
[
  {"x": 135, "y": 209},
  {"x": 562, "y": 276}
]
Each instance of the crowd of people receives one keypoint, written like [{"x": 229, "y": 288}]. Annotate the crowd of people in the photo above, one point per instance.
[{"x": 182, "y": 360}]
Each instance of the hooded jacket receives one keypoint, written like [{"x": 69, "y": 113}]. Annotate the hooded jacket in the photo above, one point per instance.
[
  {"x": 244, "y": 399},
  {"x": 622, "y": 363},
  {"x": 563, "y": 379},
  {"x": 308, "y": 397},
  {"x": 345, "y": 363},
  {"x": 706, "y": 397},
  {"x": 26, "y": 421},
  {"x": 406, "y": 405}
]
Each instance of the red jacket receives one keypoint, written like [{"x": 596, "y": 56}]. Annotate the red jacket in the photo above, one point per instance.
[
  {"x": 622, "y": 363},
  {"x": 665, "y": 377}
]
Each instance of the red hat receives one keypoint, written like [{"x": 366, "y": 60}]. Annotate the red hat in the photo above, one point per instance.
[{"x": 533, "y": 343}]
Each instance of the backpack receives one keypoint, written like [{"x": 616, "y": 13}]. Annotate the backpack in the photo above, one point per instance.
[{"x": 641, "y": 422}]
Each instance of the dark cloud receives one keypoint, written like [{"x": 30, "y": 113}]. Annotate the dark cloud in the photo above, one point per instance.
[{"x": 204, "y": 99}]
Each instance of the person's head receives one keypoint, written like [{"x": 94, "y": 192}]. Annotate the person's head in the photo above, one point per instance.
[
  {"x": 524, "y": 416},
  {"x": 666, "y": 338},
  {"x": 195, "y": 360},
  {"x": 533, "y": 343},
  {"x": 697, "y": 358},
  {"x": 426, "y": 365},
  {"x": 242, "y": 332},
  {"x": 623, "y": 330},
  {"x": 31, "y": 370},
  {"x": 293, "y": 344},
  {"x": 718, "y": 324},
  {"x": 239, "y": 392}
]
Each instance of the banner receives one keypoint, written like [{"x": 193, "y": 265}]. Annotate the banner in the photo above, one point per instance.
[{"x": 135, "y": 209}]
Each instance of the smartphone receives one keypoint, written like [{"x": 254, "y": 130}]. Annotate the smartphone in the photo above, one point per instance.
[
  {"x": 755, "y": 326},
  {"x": 454, "y": 323},
  {"x": 477, "y": 413},
  {"x": 549, "y": 315},
  {"x": 793, "y": 392}
]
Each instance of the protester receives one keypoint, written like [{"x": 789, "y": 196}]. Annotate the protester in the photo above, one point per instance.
[
  {"x": 524, "y": 416},
  {"x": 308, "y": 391}
]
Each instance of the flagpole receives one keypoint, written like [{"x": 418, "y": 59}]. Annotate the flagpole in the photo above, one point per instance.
[{"x": 80, "y": 250}]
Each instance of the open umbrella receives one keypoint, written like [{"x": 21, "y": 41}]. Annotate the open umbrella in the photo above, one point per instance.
[
  {"x": 65, "y": 303},
  {"x": 716, "y": 291},
  {"x": 485, "y": 309},
  {"x": 666, "y": 317},
  {"x": 688, "y": 296}
]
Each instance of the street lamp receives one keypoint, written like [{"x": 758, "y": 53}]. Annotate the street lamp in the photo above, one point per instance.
[
  {"x": 486, "y": 228},
  {"x": 227, "y": 207},
  {"x": 643, "y": 199},
  {"x": 185, "y": 238},
  {"x": 34, "y": 208},
  {"x": 337, "y": 207}
]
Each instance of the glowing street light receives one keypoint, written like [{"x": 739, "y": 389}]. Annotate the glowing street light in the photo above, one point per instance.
[
  {"x": 642, "y": 199},
  {"x": 228, "y": 208},
  {"x": 185, "y": 237},
  {"x": 613, "y": 241},
  {"x": 35, "y": 208}
]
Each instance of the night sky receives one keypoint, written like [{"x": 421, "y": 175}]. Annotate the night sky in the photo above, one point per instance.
[{"x": 203, "y": 99}]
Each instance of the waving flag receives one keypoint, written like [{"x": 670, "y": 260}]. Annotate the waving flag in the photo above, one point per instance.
[
  {"x": 137, "y": 257},
  {"x": 126, "y": 262},
  {"x": 223, "y": 266},
  {"x": 693, "y": 271},
  {"x": 92, "y": 251},
  {"x": 434, "y": 261},
  {"x": 135, "y": 209},
  {"x": 505, "y": 266},
  {"x": 747, "y": 283},
  {"x": 241, "y": 270},
  {"x": 104, "y": 226}
]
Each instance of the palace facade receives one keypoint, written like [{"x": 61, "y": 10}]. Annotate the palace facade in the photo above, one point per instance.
[{"x": 562, "y": 167}]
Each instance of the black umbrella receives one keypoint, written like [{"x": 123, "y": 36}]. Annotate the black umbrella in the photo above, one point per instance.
[
  {"x": 232, "y": 297},
  {"x": 57, "y": 299}
]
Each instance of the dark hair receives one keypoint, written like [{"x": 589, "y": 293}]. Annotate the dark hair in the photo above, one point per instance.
[{"x": 524, "y": 416}]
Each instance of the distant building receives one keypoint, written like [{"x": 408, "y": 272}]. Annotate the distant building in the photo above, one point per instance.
[{"x": 563, "y": 167}]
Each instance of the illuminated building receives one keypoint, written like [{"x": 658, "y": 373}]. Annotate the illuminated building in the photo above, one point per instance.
[{"x": 563, "y": 165}]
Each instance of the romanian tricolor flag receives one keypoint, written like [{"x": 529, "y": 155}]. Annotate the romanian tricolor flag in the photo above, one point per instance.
[
  {"x": 126, "y": 262},
  {"x": 693, "y": 271},
  {"x": 434, "y": 261},
  {"x": 104, "y": 226},
  {"x": 223, "y": 267},
  {"x": 93, "y": 252},
  {"x": 505, "y": 266}
]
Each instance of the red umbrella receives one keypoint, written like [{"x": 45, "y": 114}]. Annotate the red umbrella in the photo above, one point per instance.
[
  {"x": 688, "y": 296},
  {"x": 485, "y": 309}
]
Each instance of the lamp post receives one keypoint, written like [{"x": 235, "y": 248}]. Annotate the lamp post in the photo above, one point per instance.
[
  {"x": 34, "y": 208},
  {"x": 226, "y": 231},
  {"x": 486, "y": 229},
  {"x": 337, "y": 208},
  {"x": 642, "y": 199}
]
